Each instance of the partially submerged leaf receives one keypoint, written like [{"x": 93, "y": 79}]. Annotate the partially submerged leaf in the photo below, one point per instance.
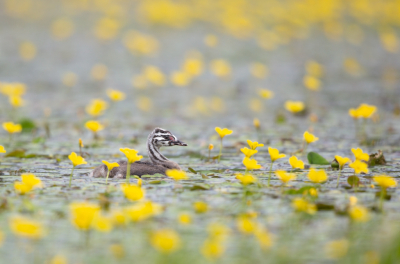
[
  {"x": 353, "y": 180},
  {"x": 27, "y": 125},
  {"x": 200, "y": 187},
  {"x": 18, "y": 153},
  {"x": 316, "y": 159},
  {"x": 376, "y": 159}
]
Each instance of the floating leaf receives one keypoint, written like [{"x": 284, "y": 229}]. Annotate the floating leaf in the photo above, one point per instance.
[
  {"x": 200, "y": 187},
  {"x": 192, "y": 170},
  {"x": 18, "y": 153},
  {"x": 353, "y": 180},
  {"x": 376, "y": 159},
  {"x": 316, "y": 159},
  {"x": 156, "y": 182},
  {"x": 27, "y": 125}
]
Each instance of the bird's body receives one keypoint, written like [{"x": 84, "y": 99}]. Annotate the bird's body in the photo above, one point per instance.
[{"x": 158, "y": 163}]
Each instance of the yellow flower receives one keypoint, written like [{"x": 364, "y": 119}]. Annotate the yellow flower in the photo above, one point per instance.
[
  {"x": 359, "y": 166},
  {"x": 69, "y": 79},
  {"x": 359, "y": 213},
  {"x": 385, "y": 181},
  {"x": 118, "y": 217},
  {"x": 266, "y": 94},
  {"x": 359, "y": 154},
  {"x": 363, "y": 111},
  {"x": 185, "y": 219},
  {"x": 311, "y": 83},
  {"x": 132, "y": 192},
  {"x": 254, "y": 145},
  {"x": 296, "y": 163},
  {"x": 274, "y": 153},
  {"x": 96, "y": 107},
  {"x": 317, "y": 176},
  {"x": 301, "y": 205},
  {"x": 337, "y": 249},
  {"x": 256, "y": 123},
  {"x": 223, "y": 132},
  {"x": 22, "y": 188},
  {"x": 200, "y": 207},
  {"x": 16, "y": 101},
  {"x": 246, "y": 225},
  {"x": 193, "y": 67},
  {"x": 2, "y": 149},
  {"x": 102, "y": 223},
  {"x": 58, "y": 259},
  {"x": 246, "y": 179},
  {"x": 154, "y": 75},
  {"x": 80, "y": 143},
  {"x": 248, "y": 152},
  {"x": 294, "y": 106},
  {"x": 210, "y": 147},
  {"x": 27, "y": 50},
  {"x": 211, "y": 40},
  {"x": 62, "y": 28},
  {"x": 139, "y": 43},
  {"x": 165, "y": 240},
  {"x": 342, "y": 161},
  {"x": 285, "y": 177},
  {"x": 13, "y": 89},
  {"x": 83, "y": 214},
  {"x": 259, "y": 70},
  {"x": 263, "y": 237},
  {"x": 76, "y": 160},
  {"x": 28, "y": 182},
  {"x": 218, "y": 231},
  {"x": 180, "y": 78},
  {"x": 212, "y": 249},
  {"x": 314, "y": 69},
  {"x": 177, "y": 175},
  {"x": 12, "y": 128},
  {"x": 131, "y": 154},
  {"x": 220, "y": 68},
  {"x": 117, "y": 250},
  {"x": 115, "y": 95},
  {"x": 142, "y": 211},
  {"x": 25, "y": 227},
  {"x": 309, "y": 138},
  {"x": 251, "y": 164},
  {"x": 94, "y": 126},
  {"x": 110, "y": 166}
]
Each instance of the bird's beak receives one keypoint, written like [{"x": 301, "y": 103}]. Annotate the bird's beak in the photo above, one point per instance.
[{"x": 179, "y": 143}]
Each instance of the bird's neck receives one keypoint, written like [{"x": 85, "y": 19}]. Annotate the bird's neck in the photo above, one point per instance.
[{"x": 154, "y": 152}]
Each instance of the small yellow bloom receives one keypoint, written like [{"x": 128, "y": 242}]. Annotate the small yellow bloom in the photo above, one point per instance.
[
  {"x": 62, "y": 28},
  {"x": 102, "y": 223},
  {"x": 117, "y": 250},
  {"x": 301, "y": 205},
  {"x": 115, "y": 95},
  {"x": 317, "y": 176},
  {"x": 263, "y": 237},
  {"x": 274, "y": 153},
  {"x": 25, "y": 227},
  {"x": 309, "y": 138},
  {"x": 311, "y": 83},
  {"x": 13, "y": 89},
  {"x": 83, "y": 214},
  {"x": 248, "y": 152},
  {"x": 165, "y": 240},
  {"x": 16, "y": 101},
  {"x": 59, "y": 259},
  {"x": 246, "y": 225},
  {"x": 142, "y": 211},
  {"x": 315, "y": 69},
  {"x": 69, "y": 79},
  {"x": 131, "y": 154},
  {"x": 363, "y": 111},
  {"x": 296, "y": 163},
  {"x": 2, "y": 149},
  {"x": 210, "y": 147},
  {"x": 154, "y": 75},
  {"x": 132, "y": 192},
  {"x": 94, "y": 126},
  {"x": 284, "y": 176},
  {"x": 294, "y": 106},
  {"x": 192, "y": 67},
  {"x": 27, "y": 50},
  {"x": 359, "y": 154},
  {"x": 266, "y": 94},
  {"x": 259, "y": 70},
  {"x": 119, "y": 218},
  {"x": 352, "y": 200},
  {"x": 211, "y": 40},
  {"x": 177, "y": 175},
  {"x": 180, "y": 78},
  {"x": 254, "y": 145},
  {"x": 76, "y": 160},
  {"x": 251, "y": 164},
  {"x": 109, "y": 165},
  {"x": 200, "y": 207},
  {"x": 28, "y": 182},
  {"x": 99, "y": 72},
  {"x": 12, "y": 128},
  {"x": 359, "y": 166},
  {"x": 246, "y": 179},
  {"x": 256, "y": 123},
  {"x": 212, "y": 249},
  {"x": 223, "y": 132},
  {"x": 80, "y": 143},
  {"x": 359, "y": 213},
  {"x": 22, "y": 188},
  {"x": 96, "y": 107},
  {"x": 184, "y": 219},
  {"x": 220, "y": 68},
  {"x": 385, "y": 181},
  {"x": 337, "y": 249},
  {"x": 218, "y": 231},
  {"x": 342, "y": 161}
]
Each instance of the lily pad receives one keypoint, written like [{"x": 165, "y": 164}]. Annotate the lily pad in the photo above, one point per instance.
[{"x": 316, "y": 159}]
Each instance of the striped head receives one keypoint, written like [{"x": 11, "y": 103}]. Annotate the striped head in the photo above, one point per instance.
[{"x": 164, "y": 138}]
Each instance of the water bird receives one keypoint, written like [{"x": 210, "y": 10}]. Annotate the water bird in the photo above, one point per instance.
[{"x": 158, "y": 163}]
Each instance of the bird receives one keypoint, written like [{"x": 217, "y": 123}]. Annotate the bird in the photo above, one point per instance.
[{"x": 158, "y": 163}]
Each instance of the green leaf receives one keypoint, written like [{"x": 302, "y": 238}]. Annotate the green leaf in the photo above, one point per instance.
[
  {"x": 18, "y": 153},
  {"x": 315, "y": 158},
  {"x": 353, "y": 180},
  {"x": 200, "y": 187},
  {"x": 156, "y": 182},
  {"x": 192, "y": 170},
  {"x": 27, "y": 125}
]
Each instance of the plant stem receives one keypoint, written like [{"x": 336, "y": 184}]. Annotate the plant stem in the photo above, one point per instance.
[
  {"x": 383, "y": 191},
  {"x": 128, "y": 172},
  {"x": 304, "y": 148},
  {"x": 209, "y": 155},
  {"x": 108, "y": 173},
  {"x": 270, "y": 173},
  {"x": 338, "y": 177},
  {"x": 220, "y": 152},
  {"x": 70, "y": 177}
]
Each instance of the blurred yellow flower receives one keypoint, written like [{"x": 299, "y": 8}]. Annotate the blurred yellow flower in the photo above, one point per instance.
[
  {"x": 62, "y": 28},
  {"x": 144, "y": 103},
  {"x": 363, "y": 111},
  {"x": 115, "y": 95},
  {"x": 317, "y": 176},
  {"x": 99, "y": 72},
  {"x": 185, "y": 219},
  {"x": 16, "y": 101},
  {"x": 117, "y": 250},
  {"x": 107, "y": 28},
  {"x": 200, "y": 207},
  {"x": 385, "y": 181},
  {"x": 309, "y": 138},
  {"x": 301, "y": 205},
  {"x": 211, "y": 40},
  {"x": 246, "y": 225},
  {"x": 256, "y": 123},
  {"x": 28, "y": 182},
  {"x": 259, "y": 70},
  {"x": 352, "y": 66},
  {"x": 337, "y": 249},
  {"x": 311, "y": 83},
  {"x": 389, "y": 41},
  {"x": 132, "y": 192},
  {"x": 248, "y": 152},
  {"x": 165, "y": 240},
  {"x": 102, "y": 223},
  {"x": 265, "y": 93},
  {"x": 13, "y": 89},
  {"x": 296, "y": 163},
  {"x": 274, "y": 153},
  {"x": 177, "y": 175},
  {"x": 83, "y": 214},
  {"x": 94, "y": 126},
  {"x": 154, "y": 75},
  {"x": 359, "y": 213},
  {"x": 220, "y": 68},
  {"x": 210, "y": 146},
  {"x": 139, "y": 43},
  {"x": 359, "y": 166},
  {"x": 118, "y": 217},
  {"x": 76, "y": 160},
  {"x": 342, "y": 161},
  {"x": 264, "y": 238},
  {"x": 142, "y": 210},
  {"x": 314, "y": 69},
  {"x": 139, "y": 82},
  {"x": 359, "y": 154},
  {"x": 27, "y": 50},
  {"x": 246, "y": 179},
  {"x": 25, "y": 227},
  {"x": 192, "y": 67},
  {"x": 294, "y": 106},
  {"x": 218, "y": 231},
  {"x": 12, "y": 128},
  {"x": 2, "y": 149},
  {"x": 254, "y": 145},
  {"x": 180, "y": 78},
  {"x": 212, "y": 249},
  {"x": 223, "y": 132},
  {"x": 69, "y": 79},
  {"x": 251, "y": 164},
  {"x": 59, "y": 259},
  {"x": 96, "y": 107},
  {"x": 131, "y": 154},
  {"x": 109, "y": 165},
  {"x": 284, "y": 176}
]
